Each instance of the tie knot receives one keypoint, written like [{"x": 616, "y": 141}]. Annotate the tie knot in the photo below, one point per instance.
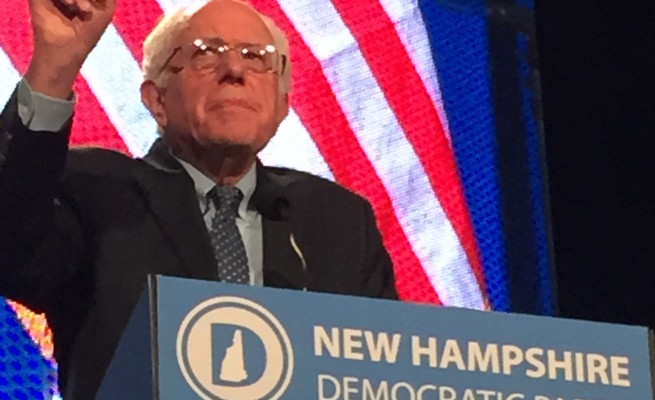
[{"x": 226, "y": 198}]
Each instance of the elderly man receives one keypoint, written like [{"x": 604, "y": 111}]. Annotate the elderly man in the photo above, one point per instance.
[{"x": 80, "y": 230}]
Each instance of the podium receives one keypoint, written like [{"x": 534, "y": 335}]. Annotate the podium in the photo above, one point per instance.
[{"x": 190, "y": 339}]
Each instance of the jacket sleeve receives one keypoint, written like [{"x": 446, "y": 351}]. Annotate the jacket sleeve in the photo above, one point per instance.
[
  {"x": 379, "y": 275},
  {"x": 40, "y": 236}
]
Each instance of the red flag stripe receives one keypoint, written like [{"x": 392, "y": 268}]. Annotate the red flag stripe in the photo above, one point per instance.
[
  {"x": 334, "y": 137},
  {"x": 406, "y": 94},
  {"x": 18, "y": 25},
  {"x": 134, "y": 20}
]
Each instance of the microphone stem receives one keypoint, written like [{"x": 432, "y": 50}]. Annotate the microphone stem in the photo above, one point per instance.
[{"x": 296, "y": 248}]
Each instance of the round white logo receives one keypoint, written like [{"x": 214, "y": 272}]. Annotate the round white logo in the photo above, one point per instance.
[{"x": 231, "y": 348}]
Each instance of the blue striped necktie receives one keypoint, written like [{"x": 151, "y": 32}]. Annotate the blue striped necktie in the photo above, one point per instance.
[{"x": 228, "y": 246}]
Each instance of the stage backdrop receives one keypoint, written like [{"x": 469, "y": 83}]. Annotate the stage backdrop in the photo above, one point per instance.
[{"x": 429, "y": 109}]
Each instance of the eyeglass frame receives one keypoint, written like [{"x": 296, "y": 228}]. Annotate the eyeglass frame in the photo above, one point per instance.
[{"x": 229, "y": 47}]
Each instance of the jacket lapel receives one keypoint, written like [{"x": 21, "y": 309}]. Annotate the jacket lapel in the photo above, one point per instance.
[
  {"x": 283, "y": 267},
  {"x": 171, "y": 196}
]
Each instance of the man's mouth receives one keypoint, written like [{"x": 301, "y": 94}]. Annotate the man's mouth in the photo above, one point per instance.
[{"x": 235, "y": 103}]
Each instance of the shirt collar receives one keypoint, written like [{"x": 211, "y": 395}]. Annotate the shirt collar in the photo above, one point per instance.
[{"x": 203, "y": 184}]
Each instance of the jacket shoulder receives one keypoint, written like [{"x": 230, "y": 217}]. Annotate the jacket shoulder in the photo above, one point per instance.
[
  {"x": 319, "y": 189},
  {"x": 98, "y": 162}
]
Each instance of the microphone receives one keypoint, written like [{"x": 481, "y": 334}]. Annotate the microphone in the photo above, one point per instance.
[
  {"x": 296, "y": 248},
  {"x": 271, "y": 200}
]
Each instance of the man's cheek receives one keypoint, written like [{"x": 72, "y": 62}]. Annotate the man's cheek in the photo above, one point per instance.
[{"x": 266, "y": 83}]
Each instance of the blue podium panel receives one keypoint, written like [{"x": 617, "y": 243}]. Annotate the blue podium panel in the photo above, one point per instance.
[{"x": 233, "y": 342}]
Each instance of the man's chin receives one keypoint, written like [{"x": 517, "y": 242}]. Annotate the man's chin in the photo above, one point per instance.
[{"x": 228, "y": 142}]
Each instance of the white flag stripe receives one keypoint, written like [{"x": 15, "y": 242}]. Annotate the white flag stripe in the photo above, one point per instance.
[
  {"x": 292, "y": 146},
  {"x": 406, "y": 15},
  {"x": 114, "y": 78},
  {"x": 9, "y": 77},
  {"x": 386, "y": 145},
  {"x": 172, "y": 5}
]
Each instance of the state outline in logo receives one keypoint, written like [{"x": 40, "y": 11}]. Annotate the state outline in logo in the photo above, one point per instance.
[{"x": 195, "y": 365}]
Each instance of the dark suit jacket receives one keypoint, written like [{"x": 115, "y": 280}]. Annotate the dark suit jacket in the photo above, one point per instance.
[{"x": 80, "y": 230}]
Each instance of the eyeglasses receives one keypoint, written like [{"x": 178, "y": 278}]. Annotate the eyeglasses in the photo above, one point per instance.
[{"x": 206, "y": 54}]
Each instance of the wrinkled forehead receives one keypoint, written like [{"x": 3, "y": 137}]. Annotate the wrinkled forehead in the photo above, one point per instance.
[{"x": 232, "y": 21}]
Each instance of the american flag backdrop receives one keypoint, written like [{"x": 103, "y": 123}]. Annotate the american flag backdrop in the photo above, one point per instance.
[{"x": 391, "y": 98}]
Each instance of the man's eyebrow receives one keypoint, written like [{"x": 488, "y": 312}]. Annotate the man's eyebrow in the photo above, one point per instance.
[
  {"x": 248, "y": 44},
  {"x": 220, "y": 40}
]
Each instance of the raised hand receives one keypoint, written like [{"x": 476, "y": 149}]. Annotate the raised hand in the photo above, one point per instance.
[{"x": 65, "y": 32}]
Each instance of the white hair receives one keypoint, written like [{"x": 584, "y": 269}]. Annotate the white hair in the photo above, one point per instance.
[{"x": 158, "y": 45}]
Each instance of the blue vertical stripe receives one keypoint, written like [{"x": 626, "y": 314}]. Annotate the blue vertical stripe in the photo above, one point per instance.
[
  {"x": 458, "y": 38},
  {"x": 537, "y": 174}
]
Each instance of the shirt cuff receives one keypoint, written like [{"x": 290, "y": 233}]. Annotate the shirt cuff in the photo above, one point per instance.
[{"x": 39, "y": 112}]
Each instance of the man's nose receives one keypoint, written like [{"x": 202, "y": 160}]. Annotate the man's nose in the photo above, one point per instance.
[{"x": 231, "y": 69}]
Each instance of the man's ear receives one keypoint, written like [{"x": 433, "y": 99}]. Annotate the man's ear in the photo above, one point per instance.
[
  {"x": 153, "y": 98},
  {"x": 283, "y": 109}
]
